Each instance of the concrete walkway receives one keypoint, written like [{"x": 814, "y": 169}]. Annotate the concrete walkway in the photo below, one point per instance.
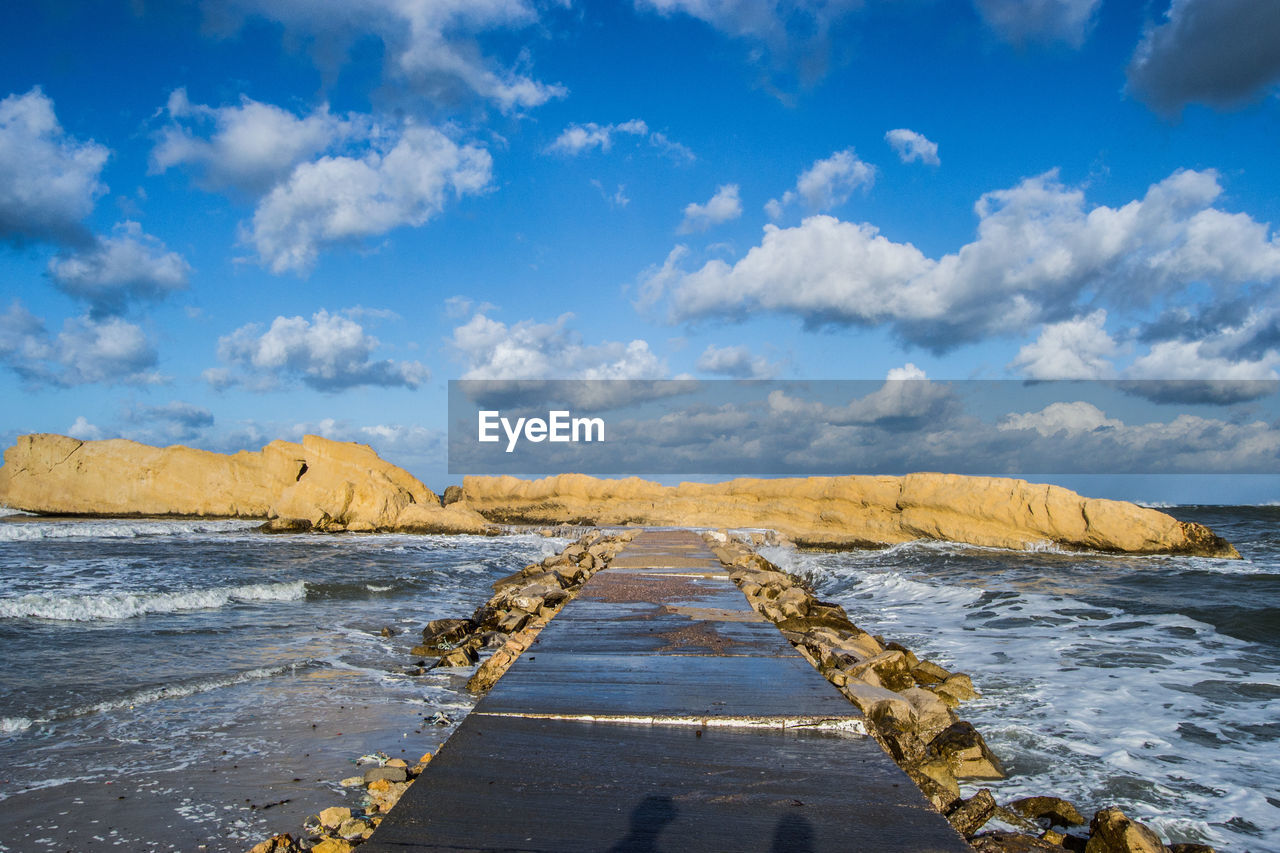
[{"x": 659, "y": 712}]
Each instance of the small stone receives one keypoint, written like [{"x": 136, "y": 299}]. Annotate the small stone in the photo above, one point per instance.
[
  {"x": 377, "y": 786},
  {"x": 354, "y": 828},
  {"x": 969, "y": 815},
  {"x": 333, "y": 845},
  {"x": 390, "y": 774},
  {"x": 352, "y": 781},
  {"x": 332, "y": 818},
  {"x": 1111, "y": 831},
  {"x": 1191, "y": 848},
  {"x": 446, "y": 632},
  {"x": 461, "y": 656},
  {"x": 396, "y": 762},
  {"x": 282, "y": 843}
]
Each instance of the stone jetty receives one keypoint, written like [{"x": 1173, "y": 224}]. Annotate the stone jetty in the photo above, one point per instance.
[{"x": 659, "y": 710}]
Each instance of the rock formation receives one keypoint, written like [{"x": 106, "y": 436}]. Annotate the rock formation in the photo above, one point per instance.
[
  {"x": 855, "y": 511},
  {"x": 331, "y": 485},
  {"x": 319, "y": 484}
]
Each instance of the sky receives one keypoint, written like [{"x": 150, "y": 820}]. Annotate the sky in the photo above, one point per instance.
[{"x": 231, "y": 221}]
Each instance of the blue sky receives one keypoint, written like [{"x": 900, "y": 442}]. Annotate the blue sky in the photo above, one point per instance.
[{"x": 230, "y": 221}]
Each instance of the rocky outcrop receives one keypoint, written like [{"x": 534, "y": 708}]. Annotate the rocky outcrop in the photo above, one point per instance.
[
  {"x": 318, "y": 484},
  {"x": 855, "y": 511}
]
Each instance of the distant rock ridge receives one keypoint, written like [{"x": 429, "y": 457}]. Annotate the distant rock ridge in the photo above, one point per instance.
[
  {"x": 343, "y": 486},
  {"x": 856, "y": 511},
  {"x": 319, "y": 484}
]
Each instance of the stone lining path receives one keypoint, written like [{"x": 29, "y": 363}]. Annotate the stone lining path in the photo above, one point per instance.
[{"x": 659, "y": 712}]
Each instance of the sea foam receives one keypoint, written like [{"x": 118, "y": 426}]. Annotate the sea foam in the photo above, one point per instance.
[{"x": 127, "y": 605}]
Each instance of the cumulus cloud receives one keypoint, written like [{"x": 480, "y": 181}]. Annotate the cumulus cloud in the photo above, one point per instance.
[
  {"x": 431, "y": 49},
  {"x": 249, "y": 147},
  {"x": 115, "y": 271},
  {"x": 736, "y": 362},
  {"x": 329, "y": 352},
  {"x": 87, "y": 350},
  {"x": 492, "y": 349},
  {"x": 1021, "y": 21},
  {"x": 341, "y": 200},
  {"x": 1040, "y": 256},
  {"x": 49, "y": 180},
  {"x": 721, "y": 207},
  {"x": 84, "y": 430},
  {"x": 1217, "y": 52},
  {"x": 1070, "y": 418},
  {"x": 912, "y": 146},
  {"x": 826, "y": 184},
  {"x": 1079, "y": 348}
]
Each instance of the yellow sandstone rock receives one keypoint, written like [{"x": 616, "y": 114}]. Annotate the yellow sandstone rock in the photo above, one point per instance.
[
  {"x": 855, "y": 510},
  {"x": 330, "y": 485}
]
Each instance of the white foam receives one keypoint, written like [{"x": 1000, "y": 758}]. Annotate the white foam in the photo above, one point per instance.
[
  {"x": 9, "y": 725},
  {"x": 26, "y": 531},
  {"x": 128, "y": 605}
]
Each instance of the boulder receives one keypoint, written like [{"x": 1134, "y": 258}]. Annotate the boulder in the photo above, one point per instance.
[
  {"x": 1111, "y": 831},
  {"x": 451, "y": 495},
  {"x": 966, "y": 753},
  {"x": 968, "y": 816},
  {"x": 1012, "y": 842},
  {"x": 1054, "y": 811},
  {"x": 332, "y": 818},
  {"x": 932, "y": 714},
  {"x": 386, "y": 773}
]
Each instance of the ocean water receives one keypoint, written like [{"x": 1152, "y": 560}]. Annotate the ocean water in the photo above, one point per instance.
[
  {"x": 1151, "y": 683},
  {"x": 176, "y": 685},
  {"x": 173, "y": 685}
]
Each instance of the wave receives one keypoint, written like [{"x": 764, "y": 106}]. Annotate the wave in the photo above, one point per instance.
[
  {"x": 127, "y": 605},
  {"x": 28, "y": 531},
  {"x": 146, "y": 696}
]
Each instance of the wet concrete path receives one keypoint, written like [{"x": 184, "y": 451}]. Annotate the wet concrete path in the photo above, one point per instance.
[{"x": 659, "y": 712}]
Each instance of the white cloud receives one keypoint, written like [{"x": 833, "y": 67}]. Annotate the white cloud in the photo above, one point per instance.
[
  {"x": 908, "y": 371},
  {"x": 1021, "y": 21},
  {"x": 1079, "y": 348},
  {"x": 721, "y": 207},
  {"x": 912, "y": 146},
  {"x": 250, "y": 147},
  {"x": 330, "y": 352},
  {"x": 1217, "y": 52},
  {"x": 431, "y": 47},
  {"x": 87, "y": 350},
  {"x": 826, "y": 184},
  {"x": 1196, "y": 360},
  {"x": 49, "y": 181},
  {"x": 1040, "y": 256},
  {"x": 339, "y": 200},
  {"x": 117, "y": 270},
  {"x": 735, "y": 361},
  {"x": 578, "y": 138},
  {"x": 531, "y": 350},
  {"x": 1070, "y": 418},
  {"x": 84, "y": 430}
]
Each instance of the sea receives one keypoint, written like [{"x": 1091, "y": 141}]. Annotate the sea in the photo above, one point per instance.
[{"x": 198, "y": 686}]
